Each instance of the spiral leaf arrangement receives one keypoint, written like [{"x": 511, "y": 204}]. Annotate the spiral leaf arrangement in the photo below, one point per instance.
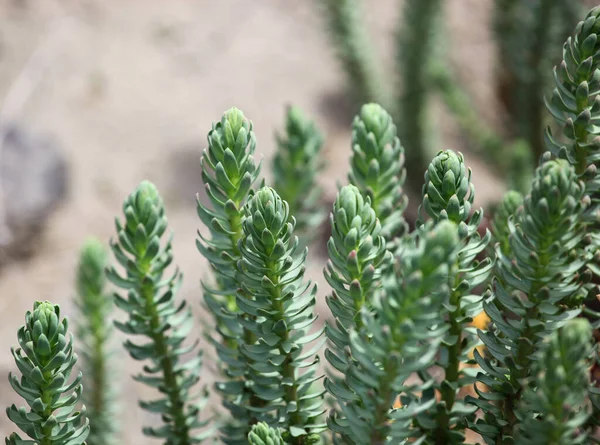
[
  {"x": 229, "y": 173},
  {"x": 561, "y": 378},
  {"x": 400, "y": 336},
  {"x": 94, "y": 333},
  {"x": 357, "y": 256},
  {"x": 155, "y": 314},
  {"x": 532, "y": 291},
  {"x": 575, "y": 106},
  {"x": 296, "y": 165},
  {"x": 263, "y": 434},
  {"x": 575, "y": 103},
  {"x": 448, "y": 194},
  {"x": 45, "y": 359},
  {"x": 273, "y": 291},
  {"x": 377, "y": 168}
]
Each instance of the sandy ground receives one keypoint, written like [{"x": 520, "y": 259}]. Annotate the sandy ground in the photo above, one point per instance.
[{"x": 131, "y": 93}]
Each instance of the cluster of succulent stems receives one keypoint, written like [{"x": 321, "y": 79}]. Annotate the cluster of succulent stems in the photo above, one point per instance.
[{"x": 402, "y": 303}]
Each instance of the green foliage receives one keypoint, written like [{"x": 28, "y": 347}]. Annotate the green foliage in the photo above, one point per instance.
[
  {"x": 296, "y": 165},
  {"x": 402, "y": 349},
  {"x": 511, "y": 201},
  {"x": 229, "y": 173},
  {"x": 94, "y": 333},
  {"x": 350, "y": 41},
  {"x": 45, "y": 360},
  {"x": 357, "y": 258},
  {"x": 377, "y": 168},
  {"x": 263, "y": 434},
  {"x": 155, "y": 314},
  {"x": 575, "y": 105},
  {"x": 561, "y": 379},
  {"x": 274, "y": 294},
  {"x": 399, "y": 337},
  {"x": 533, "y": 291},
  {"x": 448, "y": 194}
]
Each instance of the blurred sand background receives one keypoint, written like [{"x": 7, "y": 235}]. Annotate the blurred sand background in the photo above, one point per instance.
[{"x": 131, "y": 92}]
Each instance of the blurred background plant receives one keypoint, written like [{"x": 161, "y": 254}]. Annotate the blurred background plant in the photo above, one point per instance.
[{"x": 527, "y": 36}]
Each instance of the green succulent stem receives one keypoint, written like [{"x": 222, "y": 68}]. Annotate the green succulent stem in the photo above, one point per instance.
[
  {"x": 271, "y": 273},
  {"x": 559, "y": 389},
  {"x": 451, "y": 371},
  {"x": 288, "y": 370},
  {"x": 154, "y": 314},
  {"x": 377, "y": 168},
  {"x": 180, "y": 426},
  {"x": 94, "y": 331},
  {"x": 448, "y": 195},
  {"x": 573, "y": 101},
  {"x": 357, "y": 259},
  {"x": 404, "y": 327},
  {"x": 382, "y": 409},
  {"x": 45, "y": 359},
  {"x": 296, "y": 165},
  {"x": 229, "y": 173},
  {"x": 546, "y": 265}
]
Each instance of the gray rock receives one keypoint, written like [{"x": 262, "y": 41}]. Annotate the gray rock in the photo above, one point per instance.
[{"x": 34, "y": 181}]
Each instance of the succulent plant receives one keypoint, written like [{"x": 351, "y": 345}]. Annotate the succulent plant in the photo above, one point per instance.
[
  {"x": 448, "y": 194},
  {"x": 559, "y": 389},
  {"x": 407, "y": 340},
  {"x": 377, "y": 168},
  {"x": 273, "y": 290},
  {"x": 296, "y": 165},
  {"x": 534, "y": 292},
  {"x": 511, "y": 201},
  {"x": 45, "y": 359},
  {"x": 140, "y": 249},
  {"x": 400, "y": 336},
  {"x": 263, "y": 434},
  {"x": 229, "y": 173},
  {"x": 94, "y": 334}
]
